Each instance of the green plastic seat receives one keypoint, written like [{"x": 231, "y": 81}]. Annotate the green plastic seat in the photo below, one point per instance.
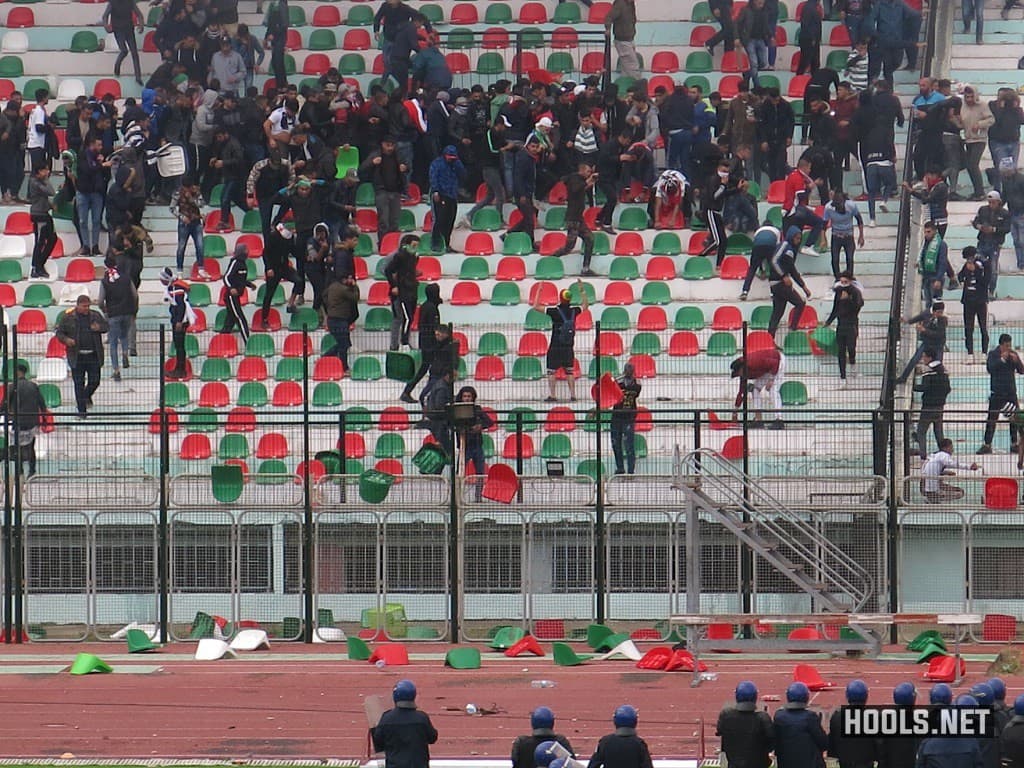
[
  {"x": 202, "y": 420},
  {"x": 556, "y": 446},
  {"x": 289, "y": 60},
  {"x": 666, "y": 244},
  {"x": 529, "y": 419},
  {"x": 645, "y": 343},
  {"x": 655, "y": 292},
  {"x": 365, "y": 195},
  {"x": 366, "y": 369},
  {"x": 322, "y": 40},
  {"x": 837, "y": 60},
  {"x": 390, "y": 445},
  {"x": 759, "y": 318},
  {"x": 176, "y": 394},
  {"x": 506, "y": 637},
  {"x": 378, "y": 319},
  {"x": 739, "y": 243},
  {"x": 926, "y": 638},
  {"x": 721, "y": 344},
  {"x": 505, "y": 294},
  {"x": 215, "y": 197},
  {"x": 349, "y": 158},
  {"x": 253, "y": 394},
  {"x": 769, "y": 81},
  {"x": 615, "y": 319},
  {"x": 37, "y": 296},
  {"x": 625, "y": 82},
  {"x": 590, "y": 422},
  {"x": 698, "y": 80},
  {"x": 634, "y": 219},
  {"x": 796, "y": 343},
  {"x": 599, "y": 366},
  {"x": 199, "y": 295},
  {"x": 490, "y": 63},
  {"x": 273, "y": 472},
  {"x": 774, "y": 216},
  {"x": 326, "y": 394},
  {"x": 191, "y": 347},
  {"x": 689, "y": 319},
  {"x": 549, "y": 268},
  {"x": 297, "y": 16},
  {"x": 352, "y": 64},
  {"x": 565, "y": 656},
  {"x": 474, "y": 268},
  {"x": 492, "y": 343},
  {"x": 289, "y": 369},
  {"x": 561, "y": 61},
  {"x": 155, "y": 14},
  {"x": 304, "y": 318},
  {"x": 498, "y": 13},
  {"x": 84, "y": 41},
  {"x": 233, "y": 446},
  {"x": 364, "y": 247},
  {"x": 566, "y": 13},
  {"x": 698, "y": 62},
  {"x": 401, "y": 366},
  {"x": 11, "y": 66},
  {"x": 623, "y": 268},
  {"x": 359, "y": 16},
  {"x": 793, "y": 393},
  {"x": 358, "y": 419},
  {"x": 10, "y": 271},
  {"x": 698, "y": 268},
  {"x": 527, "y": 369},
  {"x": 461, "y": 38},
  {"x": 517, "y": 244},
  {"x": 825, "y": 338},
  {"x": 589, "y": 468},
  {"x": 535, "y": 321},
  {"x": 602, "y": 245},
  {"x": 52, "y": 396},
  {"x": 554, "y": 219},
  {"x": 576, "y": 293},
  {"x": 215, "y": 369},
  {"x": 260, "y": 345},
  {"x": 640, "y": 446},
  {"x": 432, "y": 12},
  {"x": 702, "y": 14},
  {"x": 251, "y": 223},
  {"x": 214, "y": 247},
  {"x": 487, "y": 220}
]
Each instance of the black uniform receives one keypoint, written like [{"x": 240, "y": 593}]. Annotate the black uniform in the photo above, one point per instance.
[
  {"x": 404, "y": 735},
  {"x": 400, "y": 272},
  {"x": 847, "y": 303},
  {"x": 851, "y": 753},
  {"x": 622, "y": 749},
  {"x": 934, "y": 389},
  {"x": 799, "y": 739},
  {"x": 950, "y": 753},
  {"x": 236, "y": 281},
  {"x": 1011, "y": 741},
  {"x": 974, "y": 297},
  {"x": 782, "y": 273},
  {"x": 430, "y": 319},
  {"x": 747, "y": 737},
  {"x": 277, "y": 267},
  {"x": 523, "y": 747}
]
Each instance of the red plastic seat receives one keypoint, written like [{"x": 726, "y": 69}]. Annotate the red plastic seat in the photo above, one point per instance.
[
  {"x": 660, "y": 81},
  {"x": 169, "y": 365},
  {"x": 733, "y": 268},
  {"x": 998, "y": 628},
  {"x": 389, "y": 243},
  {"x": 355, "y": 445},
  {"x": 195, "y": 447},
  {"x": 727, "y": 319},
  {"x": 809, "y": 675},
  {"x": 734, "y": 448},
  {"x": 696, "y": 243},
  {"x": 510, "y": 268},
  {"x": 273, "y": 321},
  {"x": 943, "y": 669},
  {"x": 394, "y": 419},
  {"x": 80, "y": 271},
  {"x": 1001, "y": 493},
  {"x": 734, "y": 62},
  {"x": 656, "y": 658},
  {"x": 549, "y": 629},
  {"x": 593, "y": 63},
  {"x": 20, "y": 18},
  {"x": 18, "y": 223},
  {"x": 465, "y": 294},
  {"x": 777, "y": 192},
  {"x": 293, "y": 40},
  {"x": 629, "y": 244},
  {"x": 558, "y": 194},
  {"x": 287, "y": 394},
  {"x": 584, "y": 322},
  {"x": 564, "y": 37},
  {"x": 489, "y": 368},
  {"x": 700, "y": 35},
  {"x": 223, "y": 345},
  {"x": 501, "y": 484},
  {"x": 659, "y": 268},
  {"x": 213, "y": 220},
  {"x": 241, "y": 418},
  {"x": 255, "y": 245},
  {"x": 644, "y": 366},
  {"x": 808, "y": 319},
  {"x": 797, "y": 86},
  {"x": 392, "y": 654},
  {"x": 377, "y": 68},
  {"x": 8, "y": 298},
  {"x": 758, "y": 340},
  {"x": 56, "y": 350},
  {"x": 464, "y": 13},
  {"x": 479, "y": 244},
  {"x": 272, "y": 445},
  {"x": 379, "y": 294},
  {"x": 610, "y": 343},
  {"x": 459, "y": 338},
  {"x": 839, "y": 37},
  {"x": 590, "y": 217},
  {"x": 315, "y": 64},
  {"x": 548, "y": 295},
  {"x": 525, "y": 61},
  {"x": 560, "y": 419},
  {"x": 391, "y": 467},
  {"x": 496, "y": 38},
  {"x": 652, "y": 319},
  {"x": 222, "y": 298},
  {"x": 781, "y": 38},
  {"x": 532, "y": 344},
  {"x": 214, "y": 394},
  {"x": 551, "y": 243},
  {"x": 328, "y": 368},
  {"x": 356, "y": 40},
  {"x": 32, "y": 321},
  {"x": 413, "y": 196},
  {"x": 618, "y": 294},
  {"x": 155, "y": 425},
  {"x": 458, "y": 62},
  {"x": 316, "y": 470},
  {"x": 327, "y": 16},
  {"x": 512, "y": 450},
  {"x": 533, "y": 13},
  {"x": 683, "y": 344},
  {"x": 729, "y": 86},
  {"x": 107, "y": 85},
  {"x": 366, "y": 220},
  {"x": 665, "y": 62}
]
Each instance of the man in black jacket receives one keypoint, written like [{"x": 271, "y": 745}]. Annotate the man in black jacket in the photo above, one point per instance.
[
  {"x": 748, "y": 736},
  {"x": 524, "y": 186},
  {"x": 722, "y": 11},
  {"x": 782, "y": 275},
  {"x": 973, "y": 277},
  {"x": 847, "y": 303},
  {"x": 931, "y": 334},
  {"x": 622, "y": 748},
  {"x": 610, "y": 158},
  {"x": 120, "y": 302},
  {"x": 25, "y": 406},
  {"x": 775, "y": 124},
  {"x": 386, "y": 172},
  {"x": 403, "y": 280},
  {"x": 578, "y": 185},
  {"x": 993, "y": 225},
  {"x": 799, "y": 737},
  {"x": 1003, "y": 365},
  {"x": 404, "y": 734},
  {"x": 429, "y": 321},
  {"x": 934, "y": 389},
  {"x": 80, "y": 329},
  {"x": 228, "y": 158}
]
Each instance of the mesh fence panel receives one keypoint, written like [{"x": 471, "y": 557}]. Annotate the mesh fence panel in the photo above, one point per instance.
[
  {"x": 347, "y": 571},
  {"x": 493, "y": 562},
  {"x": 416, "y": 586},
  {"x": 270, "y": 570},
  {"x": 640, "y": 566},
  {"x": 933, "y": 564},
  {"x": 57, "y": 562},
  {"x": 203, "y": 570},
  {"x": 719, "y": 558},
  {"x": 996, "y": 589},
  {"x": 125, "y": 575},
  {"x": 561, "y": 576},
  {"x": 773, "y": 591},
  {"x": 860, "y": 533}
]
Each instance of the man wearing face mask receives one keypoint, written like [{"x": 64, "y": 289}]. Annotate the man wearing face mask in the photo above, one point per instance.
[
  {"x": 446, "y": 172},
  {"x": 403, "y": 279},
  {"x": 782, "y": 274},
  {"x": 715, "y": 194},
  {"x": 843, "y": 213},
  {"x": 847, "y": 303}
]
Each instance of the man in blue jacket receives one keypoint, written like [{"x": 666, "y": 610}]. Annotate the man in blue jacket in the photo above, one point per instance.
[
  {"x": 446, "y": 172},
  {"x": 885, "y": 25},
  {"x": 799, "y": 737},
  {"x": 524, "y": 185}
]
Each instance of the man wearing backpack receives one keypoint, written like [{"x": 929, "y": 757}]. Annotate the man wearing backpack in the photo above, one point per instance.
[{"x": 563, "y": 338}]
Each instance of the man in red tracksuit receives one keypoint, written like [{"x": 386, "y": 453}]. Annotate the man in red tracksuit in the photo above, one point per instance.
[{"x": 764, "y": 369}]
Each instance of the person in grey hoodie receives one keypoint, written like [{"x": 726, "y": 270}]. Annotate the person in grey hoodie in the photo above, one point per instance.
[
  {"x": 40, "y": 198},
  {"x": 201, "y": 140},
  {"x": 228, "y": 68}
]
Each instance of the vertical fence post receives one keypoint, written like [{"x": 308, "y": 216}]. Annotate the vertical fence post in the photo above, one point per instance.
[
  {"x": 307, "y": 501},
  {"x": 454, "y": 583},
  {"x": 519, "y": 55},
  {"x": 17, "y": 540},
  {"x": 8, "y": 511},
  {"x": 162, "y": 552},
  {"x": 746, "y": 554},
  {"x": 342, "y": 453},
  {"x": 607, "y": 78},
  {"x": 601, "y": 582}
]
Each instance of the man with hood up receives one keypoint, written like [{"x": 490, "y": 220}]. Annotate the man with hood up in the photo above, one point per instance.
[
  {"x": 446, "y": 172},
  {"x": 472, "y": 437},
  {"x": 430, "y": 320},
  {"x": 236, "y": 281},
  {"x": 201, "y": 140},
  {"x": 319, "y": 261},
  {"x": 624, "y": 422}
]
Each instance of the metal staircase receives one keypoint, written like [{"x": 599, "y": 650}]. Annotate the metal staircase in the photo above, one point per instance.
[{"x": 781, "y": 536}]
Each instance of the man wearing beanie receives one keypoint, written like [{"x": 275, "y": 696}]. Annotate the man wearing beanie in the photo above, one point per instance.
[{"x": 236, "y": 281}]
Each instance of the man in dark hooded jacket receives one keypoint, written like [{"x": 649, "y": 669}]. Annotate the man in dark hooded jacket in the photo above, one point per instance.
[{"x": 430, "y": 319}]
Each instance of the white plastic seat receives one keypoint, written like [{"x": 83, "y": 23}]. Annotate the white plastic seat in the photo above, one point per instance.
[
  {"x": 151, "y": 630},
  {"x": 12, "y": 247},
  {"x": 53, "y": 369},
  {"x": 329, "y": 635},
  {"x": 211, "y": 649},
  {"x": 15, "y": 41},
  {"x": 70, "y": 89},
  {"x": 250, "y": 640}
]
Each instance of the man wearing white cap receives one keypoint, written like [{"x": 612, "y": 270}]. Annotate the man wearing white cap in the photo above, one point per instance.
[{"x": 993, "y": 225}]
